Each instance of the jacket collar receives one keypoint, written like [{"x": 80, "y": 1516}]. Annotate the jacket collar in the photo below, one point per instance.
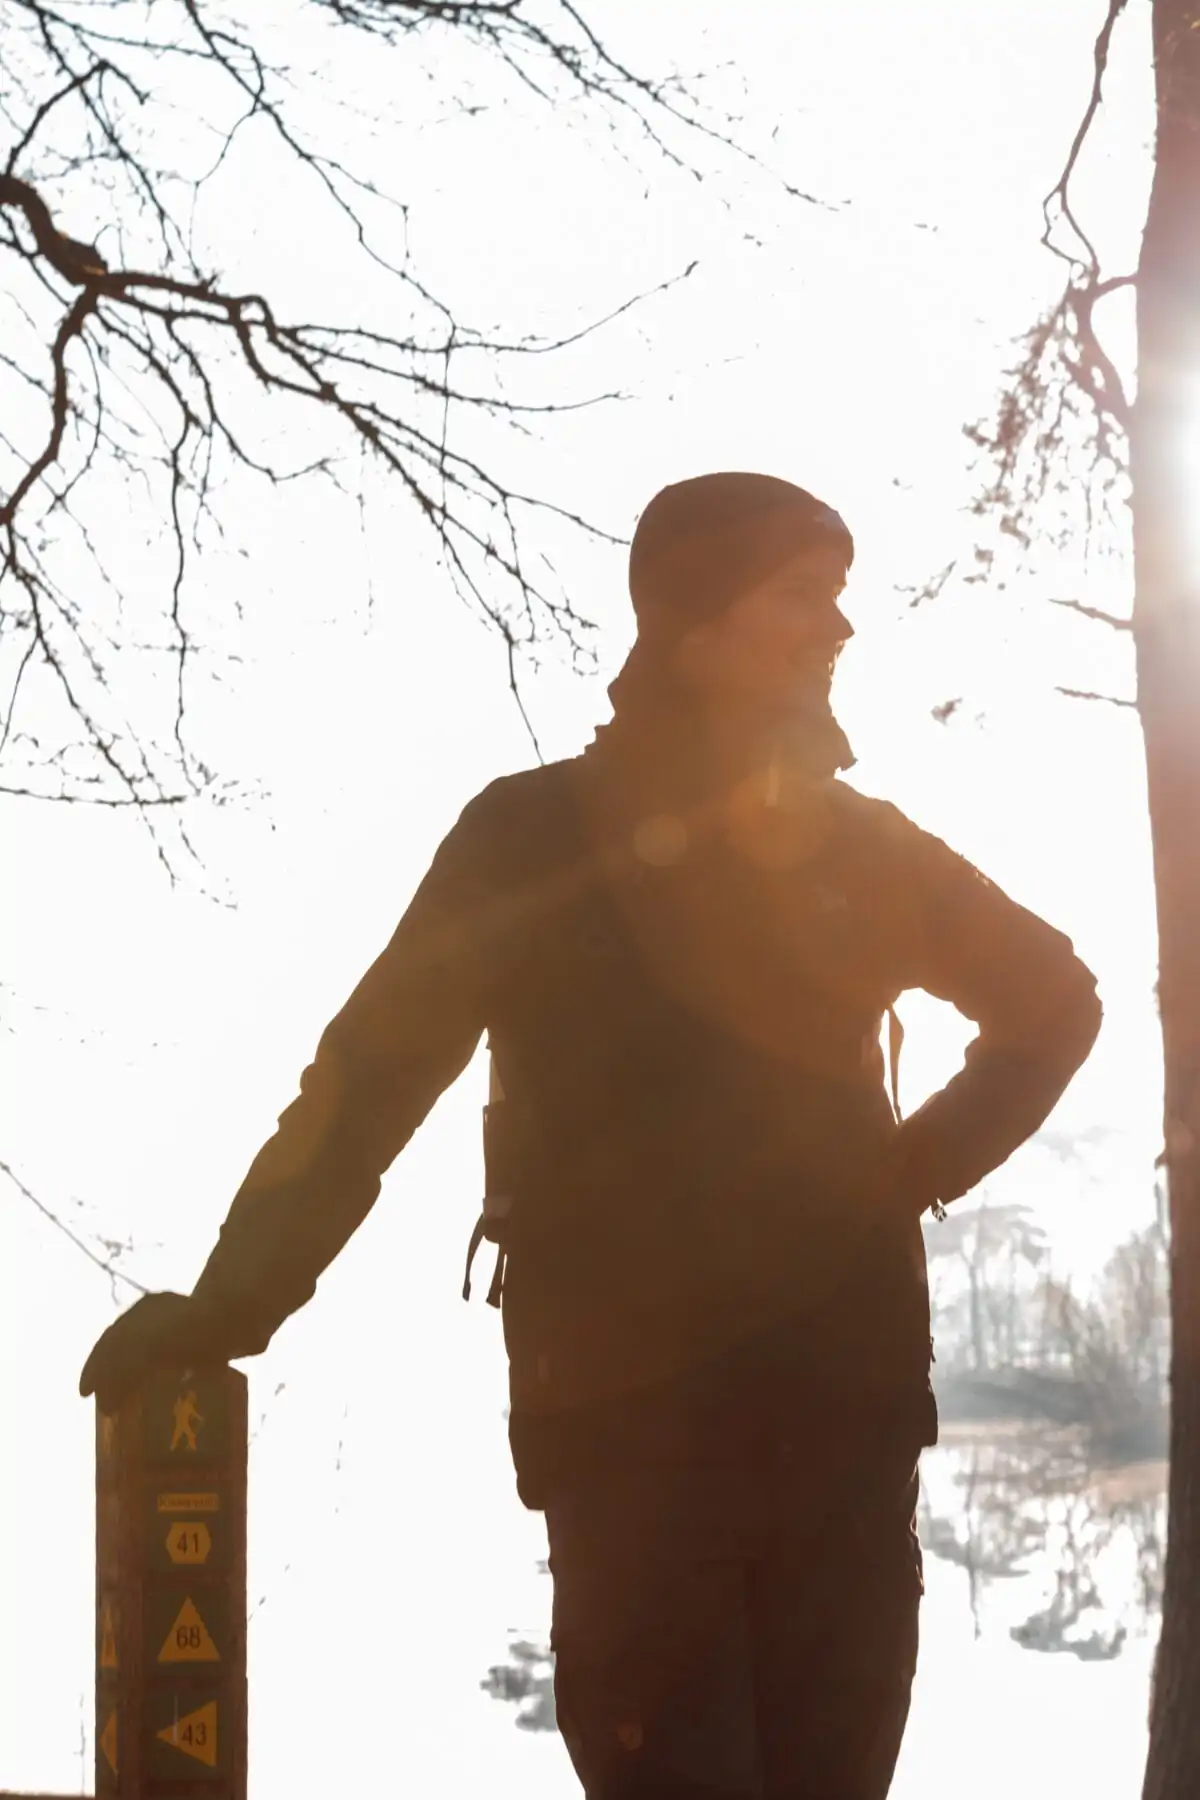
[{"x": 657, "y": 750}]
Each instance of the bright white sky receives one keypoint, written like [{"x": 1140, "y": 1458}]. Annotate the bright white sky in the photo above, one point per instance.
[{"x": 155, "y": 1035}]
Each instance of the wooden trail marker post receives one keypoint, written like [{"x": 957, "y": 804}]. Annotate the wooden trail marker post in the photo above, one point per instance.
[{"x": 171, "y": 1590}]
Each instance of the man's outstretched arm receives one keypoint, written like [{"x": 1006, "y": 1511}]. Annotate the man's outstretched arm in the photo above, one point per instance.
[
  {"x": 405, "y": 1034},
  {"x": 1034, "y": 1001},
  {"x": 407, "y": 1031}
]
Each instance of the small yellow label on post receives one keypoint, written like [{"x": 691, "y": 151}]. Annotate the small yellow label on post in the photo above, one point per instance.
[
  {"x": 189, "y": 1543},
  {"x": 189, "y": 1639},
  {"x": 189, "y": 1503},
  {"x": 195, "y": 1734}
]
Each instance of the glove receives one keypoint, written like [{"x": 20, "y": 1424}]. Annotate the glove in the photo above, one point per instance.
[{"x": 158, "y": 1330}]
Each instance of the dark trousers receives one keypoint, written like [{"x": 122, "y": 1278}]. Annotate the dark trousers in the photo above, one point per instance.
[{"x": 725, "y": 1634}]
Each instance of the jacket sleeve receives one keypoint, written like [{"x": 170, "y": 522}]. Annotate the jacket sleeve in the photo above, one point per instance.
[
  {"x": 1033, "y": 999},
  {"x": 407, "y": 1031}
]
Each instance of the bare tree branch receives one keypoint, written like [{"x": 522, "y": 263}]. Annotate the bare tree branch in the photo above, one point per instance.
[
  {"x": 130, "y": 360},
  {"x": 1057, "y": 204},
  {"x": 1053, "y": 459}
]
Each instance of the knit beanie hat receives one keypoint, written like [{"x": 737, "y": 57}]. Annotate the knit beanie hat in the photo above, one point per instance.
[{"x": 700, "y": 543}]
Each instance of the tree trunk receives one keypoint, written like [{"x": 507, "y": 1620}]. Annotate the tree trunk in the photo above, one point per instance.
[{"x": 1166, "y": 529}]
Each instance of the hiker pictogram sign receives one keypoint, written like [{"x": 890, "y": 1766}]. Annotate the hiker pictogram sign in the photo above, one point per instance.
[
  {"x": 186, "y": 1419},
  {"x": 171, "y": 1589}
]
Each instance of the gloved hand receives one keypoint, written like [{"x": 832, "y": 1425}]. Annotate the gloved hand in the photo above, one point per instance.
[{"x": 159, "y": 1329}]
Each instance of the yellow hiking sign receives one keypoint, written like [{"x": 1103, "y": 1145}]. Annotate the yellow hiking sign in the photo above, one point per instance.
[
  {"x": 186, "y": 1420},
  {"x": 189, "y": 1639},
  {"x": 195, "y": 1734}
]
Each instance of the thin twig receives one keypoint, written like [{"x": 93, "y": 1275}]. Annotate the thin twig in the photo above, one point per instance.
[
  {"x": 109, "y": 1268},
  {"x": 1057, "y": 203},
  {"x": 1084, "y": 694},
  {"x": 1115, "y": 620}
]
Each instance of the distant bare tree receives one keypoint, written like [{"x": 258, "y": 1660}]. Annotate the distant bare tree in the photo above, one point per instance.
[
  {"x": 1134, "y": 1299},
  {"x": 989, "y": 1252},
  {"x": 1019, "y": 1341}
]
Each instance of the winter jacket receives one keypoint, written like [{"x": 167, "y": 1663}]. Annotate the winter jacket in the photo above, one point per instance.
[{"x": 716, "y": 1203}]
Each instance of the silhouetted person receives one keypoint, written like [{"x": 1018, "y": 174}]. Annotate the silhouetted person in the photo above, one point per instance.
[{"x": 683, "y": 945}]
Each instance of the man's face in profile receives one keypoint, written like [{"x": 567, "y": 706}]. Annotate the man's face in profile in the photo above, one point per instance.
[{"x": 777, "y": 644}]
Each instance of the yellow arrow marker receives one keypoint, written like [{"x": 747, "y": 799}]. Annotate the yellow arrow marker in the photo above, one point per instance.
[
  {"x": 189, "y": 1543},
  {"x": 108, "y": 1637},
  {"x": 195, "y": 1734},
  {"x": 108, "y": 1741},
  {"x": 189, "y": 1639}
]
